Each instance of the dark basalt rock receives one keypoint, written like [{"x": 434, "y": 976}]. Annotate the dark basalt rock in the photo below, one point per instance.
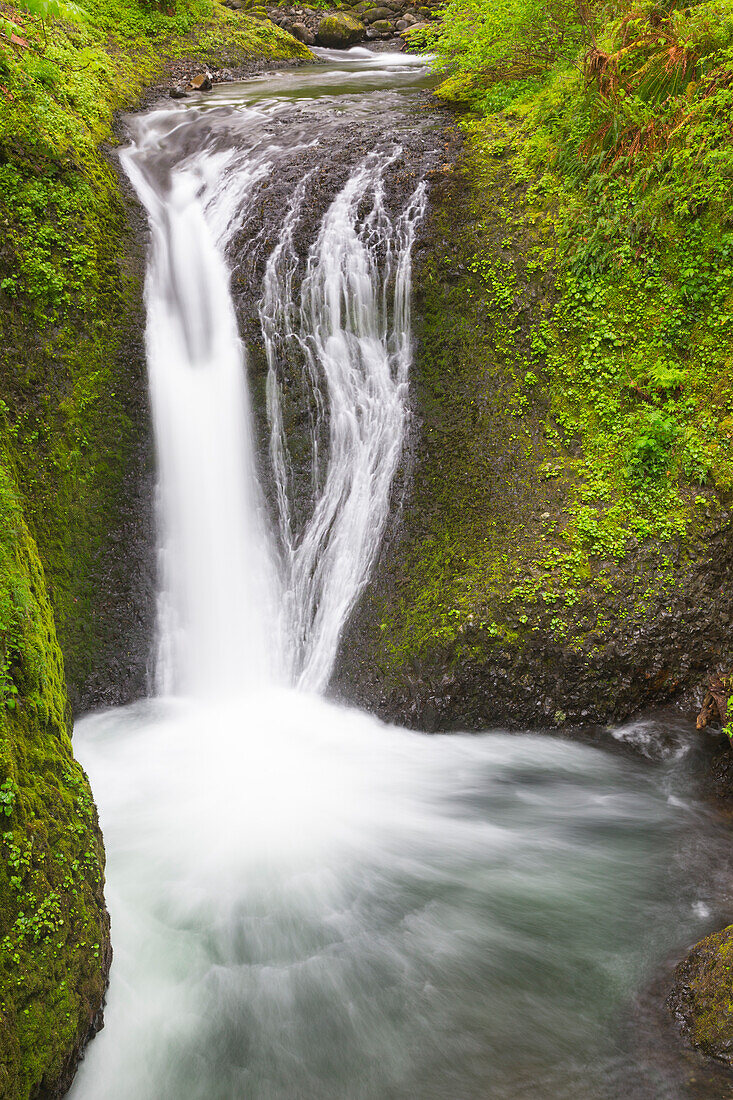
[
  {"x": 301, "y": 32},
  {"x": 374, "y": 15}
]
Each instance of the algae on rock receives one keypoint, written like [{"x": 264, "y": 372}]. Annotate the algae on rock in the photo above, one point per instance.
[{"x": 54, "y": 928}]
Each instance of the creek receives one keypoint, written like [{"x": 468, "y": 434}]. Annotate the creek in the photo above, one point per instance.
[{"x": 306, "y": 902}]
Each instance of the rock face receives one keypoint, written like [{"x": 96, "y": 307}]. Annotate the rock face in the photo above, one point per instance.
[
  {"x": 54, "y": 929},
  {"x": 702, "y": 997},
  {"x": 339, "y": 30},
  {"x": 466, "y": 623}
]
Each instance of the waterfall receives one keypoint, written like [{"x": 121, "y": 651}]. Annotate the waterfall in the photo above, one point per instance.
[
  {"x": 245, "y": 596},
  {"x": 353, "y": 328},
  {"x": 306, "y": 902}
]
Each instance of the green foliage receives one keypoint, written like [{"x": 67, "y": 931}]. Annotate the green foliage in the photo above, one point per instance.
[
  {"x": 497, "y": 52},
  {"x": 8, "y": 795},
  {"x": 649, "y": 451}
]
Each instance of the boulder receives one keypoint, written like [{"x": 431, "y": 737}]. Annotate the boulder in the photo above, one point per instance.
[
  {"x": 339, "y": 31},
  {"x": 413, "y": 28},
  {"x": 383, "y": 26},
  {"x": 200, "y": 83},
  {"x": 372, "y": 15},
  {"x": 178, "y": 93},
  {"x": 702, "y": 997},
  {"x": 301, "y": 32}
]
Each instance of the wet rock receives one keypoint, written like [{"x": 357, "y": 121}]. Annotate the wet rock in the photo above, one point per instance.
[
  {"x": 338, "y": 31},
  {"x": 178, "y": 92},
  {"x": 201, "y": 82},
  {"x": 415, "y": 27},
  {"x": 301, "y": 32},
  {"x": 702, "y": 996},
  {"x": 383, "y": 27},
  {"x": 373, "y": 15}
]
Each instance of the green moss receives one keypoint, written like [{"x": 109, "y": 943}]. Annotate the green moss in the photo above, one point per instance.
[
  {"x": 53, "y": 924},
  {"x": 702, "y": 997},
  {"x": 585, "y": 408}
]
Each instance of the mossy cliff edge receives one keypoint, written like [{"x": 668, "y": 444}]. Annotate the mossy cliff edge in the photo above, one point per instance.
[{"x": 76, "y": 570}]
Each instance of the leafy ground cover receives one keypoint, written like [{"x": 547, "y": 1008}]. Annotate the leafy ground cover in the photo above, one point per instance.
[{"x": 601, "y": 140}]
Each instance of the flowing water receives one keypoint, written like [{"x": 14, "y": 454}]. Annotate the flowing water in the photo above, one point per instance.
[{"x": 307, "y": 903}]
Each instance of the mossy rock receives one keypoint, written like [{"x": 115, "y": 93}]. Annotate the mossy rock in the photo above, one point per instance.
[
  {"x": 54, "y": 928},
  {"x": 339, "y": 31},
  {"x": 702, "y": 998},
  {"x": 375, "y": 15}
]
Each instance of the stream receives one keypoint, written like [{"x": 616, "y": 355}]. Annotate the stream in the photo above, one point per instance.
[{"x": 308, "y": 904}]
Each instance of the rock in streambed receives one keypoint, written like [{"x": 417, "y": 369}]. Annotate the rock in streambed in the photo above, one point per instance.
[
  {"x": 344, "y": 26},
  {"x": 702, "y": 996}
]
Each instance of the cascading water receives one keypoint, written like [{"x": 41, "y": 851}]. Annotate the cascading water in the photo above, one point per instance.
[
  {"x": 236, "y": 605},
  {"x": 358, "y": 341},
  {"x": 305, "y": 902}
]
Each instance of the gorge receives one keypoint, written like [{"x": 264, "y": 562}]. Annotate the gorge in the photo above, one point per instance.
[
  {"x": 429, "y": 419},
  {"x": 306, "y": 901}
]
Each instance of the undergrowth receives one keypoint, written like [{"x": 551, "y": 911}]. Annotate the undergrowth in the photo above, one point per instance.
[{"x": 616, "y": 120}]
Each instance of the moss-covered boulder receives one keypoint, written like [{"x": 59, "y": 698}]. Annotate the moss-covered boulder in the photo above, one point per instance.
[
  {"x": 702, "y": 997},
  {"x": 54, "y": 929},
  {"x": 339, "y": 30}
]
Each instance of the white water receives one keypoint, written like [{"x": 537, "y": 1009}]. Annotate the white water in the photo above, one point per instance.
[
  {"x": 305, "y": 902},
  {"x": 357, "y": 336}
]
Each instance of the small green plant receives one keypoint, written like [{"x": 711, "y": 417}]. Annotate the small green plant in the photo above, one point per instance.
[
  {"x": 649, "y": 453},
  {"x": 8, "y": 795},
  {"x": 728, "y": 727},
  {"x": 41, "y": 11}
]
